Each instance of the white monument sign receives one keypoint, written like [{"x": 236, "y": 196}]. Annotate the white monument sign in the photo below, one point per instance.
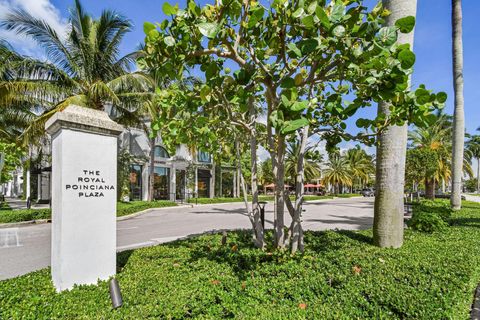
[{"x": 84, "y": 196}]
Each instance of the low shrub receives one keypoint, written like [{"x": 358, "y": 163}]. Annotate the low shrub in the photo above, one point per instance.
[
  {"x": 347, "y": 195},
  {"x": 427, "y": 222},
  {"x": 341, "y": 275},
  {"x": 439, "y": 207},
  {"x": 8, "y": 216},
  {"x": 126, "y": 208}
]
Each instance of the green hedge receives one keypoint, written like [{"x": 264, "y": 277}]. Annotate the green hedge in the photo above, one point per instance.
[
  {"x": 123, "y": 209},
  {"x": 340, "y": 276},
  {"x": 8, "y": 216},
  {"x": 126, "y": 208}
]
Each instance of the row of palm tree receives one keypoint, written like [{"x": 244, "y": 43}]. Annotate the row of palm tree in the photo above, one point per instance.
[
  {"x": 353, "y": 169},
  {"x": 438, "y": 139}
]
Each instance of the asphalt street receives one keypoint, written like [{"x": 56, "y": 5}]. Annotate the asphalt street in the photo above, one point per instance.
[{"x": 27, "y": 248}]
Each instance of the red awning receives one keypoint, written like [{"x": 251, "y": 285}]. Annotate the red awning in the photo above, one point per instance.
[{"x": 309, "y": 185}]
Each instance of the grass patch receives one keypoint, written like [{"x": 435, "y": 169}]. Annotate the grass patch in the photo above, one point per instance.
[
  {"x": 340, "y": 276},
  {"x": 123, "y": 209},
  {"x": 261, "y": 198}
]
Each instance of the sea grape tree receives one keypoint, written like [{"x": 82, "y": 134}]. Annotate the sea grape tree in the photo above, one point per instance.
[{"x": 313, "y": 64}]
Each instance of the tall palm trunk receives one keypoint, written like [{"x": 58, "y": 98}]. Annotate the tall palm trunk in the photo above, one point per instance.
[
  {"x": 458, "y": 115},
  {"x": 430, "y": 188},
  {"x": 391, "y": 155}
]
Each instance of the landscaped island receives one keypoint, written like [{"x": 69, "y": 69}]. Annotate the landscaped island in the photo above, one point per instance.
[
  {"x": 340, "y": 275},
  {"x": 123, "y": 209}
]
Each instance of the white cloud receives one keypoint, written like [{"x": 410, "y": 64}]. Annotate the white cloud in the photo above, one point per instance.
[{"x": 40, "y": 9}]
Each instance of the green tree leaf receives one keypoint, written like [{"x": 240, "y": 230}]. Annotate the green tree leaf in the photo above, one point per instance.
[
  {"x": 322, "y": 16},
  {"x": 337, "y": 12},
  {"x": 169, "y": 41},
  {"x": 388, "y": 35},
  {"x": 168, "y": 9},
  {"x": 148, "y": 26},
  {"x": 406, "y": 58},
  {"x": 406, "y": 24},
  {"x": 442, "y": 97},
  {"x": 208, "y": 29},
  {"x": 293, "y": 125}
]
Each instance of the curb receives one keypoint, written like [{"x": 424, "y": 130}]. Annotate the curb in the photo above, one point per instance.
[
  {"x": 23, "y": 223},
  {"x": 139, "y": 213},
  {"x": 475, "y": 312},
  {"x": 126, "y": 217}
]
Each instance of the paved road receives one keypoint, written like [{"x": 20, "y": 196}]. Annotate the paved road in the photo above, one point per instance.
[{"x": 26, "y": 249}]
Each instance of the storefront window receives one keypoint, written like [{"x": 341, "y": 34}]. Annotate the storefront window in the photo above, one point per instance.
[
  {"x": 161, "y": 183},
  {"x": 136, "y": 182},
  {"x": 204, "y": 183}
]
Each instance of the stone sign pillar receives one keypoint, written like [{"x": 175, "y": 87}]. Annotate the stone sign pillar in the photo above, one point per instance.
[{"x": 84, "y": 196}]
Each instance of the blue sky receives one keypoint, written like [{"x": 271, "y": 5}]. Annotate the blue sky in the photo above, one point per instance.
[{"x": 432, "y": 39}]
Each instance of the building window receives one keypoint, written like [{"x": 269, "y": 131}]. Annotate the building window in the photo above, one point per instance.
[
  {"x": 160, "y": 152},
  {"x": 136, "y": 182},
  {"x": 204, "y": 157},
  {"x": 203, "y": 180},
  {"x": 161, "y": 183}
]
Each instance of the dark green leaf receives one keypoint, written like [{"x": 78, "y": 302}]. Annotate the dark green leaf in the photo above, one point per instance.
[
  {"x": 406, "y": 24},
  {"x": 406, "y": 58},
  {"x": 388, "y": 35}
]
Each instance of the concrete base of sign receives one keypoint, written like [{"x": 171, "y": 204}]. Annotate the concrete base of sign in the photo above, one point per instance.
[{"x": 84, "y": 183}]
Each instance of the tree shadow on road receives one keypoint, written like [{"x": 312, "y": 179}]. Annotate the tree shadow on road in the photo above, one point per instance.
[{"x": 364, "y": 222}]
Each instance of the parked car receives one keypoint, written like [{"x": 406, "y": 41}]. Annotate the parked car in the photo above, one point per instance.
[{"x": 368, "y": 192}]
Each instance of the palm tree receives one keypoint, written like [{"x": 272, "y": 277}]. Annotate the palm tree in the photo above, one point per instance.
[
  {"x": 391, "y": 154},
  {"x": 458, "y": 115},
  {"x": 311, "y": 162},
  {"x": 337, "y": 172},
  {"x": 84, "y": 68},
  {"x": 473, "y": 148},
  {"x": 361, "y": 166},
  {"x": 438, "y": 138}
]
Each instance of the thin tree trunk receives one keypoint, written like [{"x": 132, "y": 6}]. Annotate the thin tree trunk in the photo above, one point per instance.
[
  {"x": 280, "y": 194},
  {"x": 391, "y": 155},
  {"x": 430, "y": 188},
  {"x": 297, "y": 231},
  {"x": 258, "y": 228},
  {"x": 245, "y": 198},
  {"x": 458, "y": 115},
  {"x": 151, "y": 170}
]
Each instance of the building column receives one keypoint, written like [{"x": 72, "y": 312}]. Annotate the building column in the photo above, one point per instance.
[
  {"x": 195, "y": 188},
  {"x": 39, "y": 186},
  {"x": 235, "y": 184},
  {"x": 173, "y": 182},
  {"x": 212, "y": 181}
]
